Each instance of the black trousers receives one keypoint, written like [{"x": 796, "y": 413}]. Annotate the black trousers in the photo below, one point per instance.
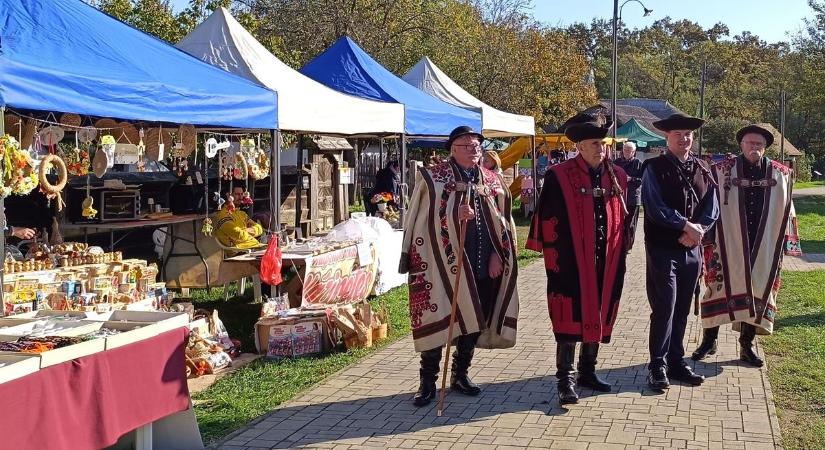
[
  {"x": 630, "y": 225},
  {"x": 672, "y": 275}
]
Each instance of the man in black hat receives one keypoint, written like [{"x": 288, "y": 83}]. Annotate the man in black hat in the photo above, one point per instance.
[
  {"x": 742, "y": 263},
  {"x": 487, "y": 301},
  {"x": 680, "y": 205},
  {"x": 633, "y": 168},
  {"x": 579, "y": 225}
]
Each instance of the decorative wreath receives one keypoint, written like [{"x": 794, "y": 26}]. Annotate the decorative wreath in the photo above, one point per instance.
[
  {"x": 259, "y": 166},
  {"x": 18, "y": 176},
  {"x": 53, "y": 190}
]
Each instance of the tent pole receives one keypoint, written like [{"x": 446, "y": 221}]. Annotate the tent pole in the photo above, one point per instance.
[
  {"x": 299, "y": 158},
  {"x": 2, "y": 222},
  {"x": 275, "y": 181},
  {"x": 403, "y": 168}
]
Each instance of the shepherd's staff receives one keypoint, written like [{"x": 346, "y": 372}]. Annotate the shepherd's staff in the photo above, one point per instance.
[{"x": 462, "y": 231}]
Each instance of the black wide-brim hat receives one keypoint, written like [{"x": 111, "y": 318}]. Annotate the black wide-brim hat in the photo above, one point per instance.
[
  {"x": 754, "y": 128},
  {"x": 582, "y": 131},
  {"x": 463, "y": 130},
  {"x": 679, "y": 121}
]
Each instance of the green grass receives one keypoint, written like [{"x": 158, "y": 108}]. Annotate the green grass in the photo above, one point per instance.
[
  {"x": 808, "y": 184},
  {"x": 796, "y": 360},
  {"x": 261, "y": 386},
  {"x": 810, "y": 212},
  {"x": 358, "y": 207},
  {"x": 525, "y": 256}
]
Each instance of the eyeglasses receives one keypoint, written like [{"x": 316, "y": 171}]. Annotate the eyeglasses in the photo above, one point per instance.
[{"x": 468, "y": 147}]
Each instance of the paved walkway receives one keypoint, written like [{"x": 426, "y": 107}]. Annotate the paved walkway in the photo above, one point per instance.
[
  {"x": 818, "y": 190},
  {"x": 369, "y": 404}
]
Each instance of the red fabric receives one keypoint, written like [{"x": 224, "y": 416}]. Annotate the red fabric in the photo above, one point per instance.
[
  {"x": 89, "y": 402},
  {"x": 573, "y": 177},
  {"x": 271, "y": 264}
]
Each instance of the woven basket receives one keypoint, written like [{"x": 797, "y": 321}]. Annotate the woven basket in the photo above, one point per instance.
[
  {"x": 352, "y": 341},
  {"x": 70, "y": 120},
  {"x": 127, "y": 134},
  {"x": 106, "y": 123},
  {"x": 379, "y": 332},
  {"x": 29, "y": 130},
  {"x": 12, "y": 125},
  {"x": 150, "y": 140},
  {"x": 188, "y": 136}
]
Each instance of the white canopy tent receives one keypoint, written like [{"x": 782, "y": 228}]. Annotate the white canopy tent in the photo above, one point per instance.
[
  {"x": 425, "y": 75},
  {"x": 304, "y": 105}
]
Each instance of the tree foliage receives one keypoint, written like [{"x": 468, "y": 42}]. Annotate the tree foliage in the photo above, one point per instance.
[{"x": 497, "y": 51}]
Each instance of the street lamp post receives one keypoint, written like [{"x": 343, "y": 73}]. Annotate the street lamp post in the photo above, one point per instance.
[{"x": 617, "y": 15}]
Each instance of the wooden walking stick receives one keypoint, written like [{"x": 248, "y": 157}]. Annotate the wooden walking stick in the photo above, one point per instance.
[{"x": 461, "y": 232}]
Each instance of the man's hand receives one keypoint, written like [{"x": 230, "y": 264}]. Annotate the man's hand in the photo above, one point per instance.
[
  {"x": 694, "y": 231},
  {"x": 22, "y": 233},
  {"x": 465, "y": 213},
  {"x": 495, "y": 268},
  {"x": 685, "y": 240}
]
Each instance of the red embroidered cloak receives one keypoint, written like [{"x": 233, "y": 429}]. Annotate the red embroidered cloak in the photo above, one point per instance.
[{"x": 564, "y": 229}]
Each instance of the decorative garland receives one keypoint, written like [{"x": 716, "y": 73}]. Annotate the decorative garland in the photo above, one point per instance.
[
  {"x": 53, "y": 190},
  {"x": 18, "y": 177}
]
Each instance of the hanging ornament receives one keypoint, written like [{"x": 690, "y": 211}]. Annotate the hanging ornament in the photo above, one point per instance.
[
  {"x": 247, "y": 199},
  {"x": 211, "y": 147},
  {"x": 19, "y": 176},
  {"x": 207, "y": 228},
  {"x": 230, "y": 203},
  {"x": 88, "y": 211}
]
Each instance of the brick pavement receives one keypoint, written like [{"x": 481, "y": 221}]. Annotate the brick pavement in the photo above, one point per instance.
[{"x": 369, "y": 404}]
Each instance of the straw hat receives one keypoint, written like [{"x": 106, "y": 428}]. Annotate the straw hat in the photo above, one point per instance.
[
  {"x": 70, "y": 120},
  {"x": 188, "y": 136}
]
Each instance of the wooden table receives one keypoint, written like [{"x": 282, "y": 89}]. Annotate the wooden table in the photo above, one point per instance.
[{"x": 129, "y": 226}]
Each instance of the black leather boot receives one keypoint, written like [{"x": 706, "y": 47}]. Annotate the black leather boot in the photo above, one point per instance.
[
  {"x": 708, "y": 345},
  {"x": 587, "y": 369},
  {"x": 565, "y": 353},
  {"x": 682, "y": 372},
  {"x": 428, "y": 374},
  {"x": 462, "y": 358},
  {"x": 746, "y": 352},
  {"x": 657, "y": 379}
]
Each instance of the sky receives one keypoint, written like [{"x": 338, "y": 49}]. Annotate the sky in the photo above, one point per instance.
[{"x": 771, "y": 20}]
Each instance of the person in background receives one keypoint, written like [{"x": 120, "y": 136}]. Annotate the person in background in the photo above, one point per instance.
[
  {"x": 633, "y": 169},
  {"x": 21, "y": 233},
  {"x": 233, "y": 227},
  {"x": 492, "y": 162},
  {"x": 386, "y": 180}
]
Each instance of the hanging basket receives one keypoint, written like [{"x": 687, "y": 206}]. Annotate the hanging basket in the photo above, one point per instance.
[
  {"x": 106, "y": 125},
  {"x": 188, "y": 137},
  {"x": 127, "y": 134},
  {"x": 70, "y": 120}
]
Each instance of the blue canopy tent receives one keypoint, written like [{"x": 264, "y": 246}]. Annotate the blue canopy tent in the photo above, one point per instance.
[
  {"x": 67, "y": 56},
  {"x": 346, "y": 67}
]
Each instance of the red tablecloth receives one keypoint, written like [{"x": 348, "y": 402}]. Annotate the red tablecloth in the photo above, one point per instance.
[{"x": 89, "y": 402}]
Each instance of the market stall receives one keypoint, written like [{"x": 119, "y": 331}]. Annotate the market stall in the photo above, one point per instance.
[{"x": 110, "y": 99}]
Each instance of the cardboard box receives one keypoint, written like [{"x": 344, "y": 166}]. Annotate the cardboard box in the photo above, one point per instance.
[
  {"x": 131, "y": 332},
  {"x": 289, "y": 337},
  {"x": 71, "y": 352},
  {"x": 48, "y": 327},
  {"x": 16, "y": 365}
]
